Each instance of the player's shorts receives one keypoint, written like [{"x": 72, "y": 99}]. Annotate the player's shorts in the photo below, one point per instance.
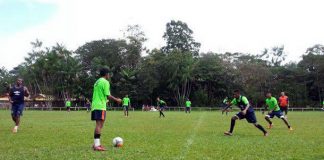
[
  {"x": 283, "y": 108},
  {"x": 250, "y": 116},
  {"x": 162, "y": 108},
  {"x": 17, "y": 109},
  {"x": 278, "y": 114},
  {"x": 98, "y": 115},
  {"x": 125, "y": 108},
  {"x": 187, "y": 108}
]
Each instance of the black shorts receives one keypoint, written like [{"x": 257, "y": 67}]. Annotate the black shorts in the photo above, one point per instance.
[
  {"x": 283, "y": 109},
  {"x": 125, "y": 108},
  {"x": 98, "y": 115},
  {"x": 250, "y": 116},
  {"x": 187, "y": 108},
  {"x": 17, "y": 109},
  {"x": 278, "y": 114}
]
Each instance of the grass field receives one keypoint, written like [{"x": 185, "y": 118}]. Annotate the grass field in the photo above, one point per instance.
[{"x": 62, "y": 135}]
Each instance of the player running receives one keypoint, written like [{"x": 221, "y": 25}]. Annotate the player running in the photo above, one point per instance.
[
  {"x": 161, "y": 105},
  {"x": 284, "y": 103},
  {"x": 101, "y": 91},
  {"x": 17, "y": 96},
  {"x": 188, "y": 105},
  {"x": 246, "y": 112},
  {"x": 126, "y": 105},
  {"x": 274, "y": 110}
]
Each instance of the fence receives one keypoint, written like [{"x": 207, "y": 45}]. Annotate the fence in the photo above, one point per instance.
[{"x": 177, "y": 109}]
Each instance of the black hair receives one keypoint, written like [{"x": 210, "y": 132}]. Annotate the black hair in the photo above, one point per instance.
[
  {"x": 236, "y": 91},
  {"x": 103, "y": 72}
]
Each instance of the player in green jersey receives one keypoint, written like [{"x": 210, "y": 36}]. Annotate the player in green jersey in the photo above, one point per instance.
[
  {"x": 126, "y": 105},
  {"x": 274, "y": 110},
  {"x": 161, "y": 105},
  {"x": 188, "y": 105},
  {"x": 101, "y": 92}
]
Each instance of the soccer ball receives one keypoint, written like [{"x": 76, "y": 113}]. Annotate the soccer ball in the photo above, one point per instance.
[{"x": 118, "y": 142}]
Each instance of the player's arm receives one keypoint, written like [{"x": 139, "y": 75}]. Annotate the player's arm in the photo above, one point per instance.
[
  {"x": 246, "y": 102},
  {"x": 229, "y": 105},
  {"x": 26, "y": 92},
  {"x": 118, "y": 100},
  {"x": 129, "y": 104},
  {"x": 10, "y": 95},
  {"x": 287, "y": 102}
]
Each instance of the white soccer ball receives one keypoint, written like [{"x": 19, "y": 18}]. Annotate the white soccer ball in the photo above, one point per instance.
[{"x": 118, "y": 142}]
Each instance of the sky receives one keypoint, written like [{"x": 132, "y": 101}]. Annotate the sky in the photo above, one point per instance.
[{"x": 246, "y": 26}]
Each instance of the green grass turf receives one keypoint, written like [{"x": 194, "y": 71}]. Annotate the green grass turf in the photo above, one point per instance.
[{"x": 62, "y": 135}]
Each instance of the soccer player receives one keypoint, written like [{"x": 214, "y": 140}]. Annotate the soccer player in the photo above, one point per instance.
[
  {"x": 284, "y": 103},
  {"x": 246, "y": 112},
  {"x": 188, "y": 105},
  {"x": 88, "y": 105},
  {"x": 68, "y": 105},
  {"x": 101, "y": 91},
  {"x": 274, "y": 110},
  {"x": 161, "y": 105},
  {"x": 17, "y": 96},
  {"x": 225, "y": 106},
  {"x": 126, "y": 105}
]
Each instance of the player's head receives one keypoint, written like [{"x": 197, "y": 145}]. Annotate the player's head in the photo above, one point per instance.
[
  {"x": 187, "y": 99},
  {"x": 104, "y": 72},
  {"x": 282, "y": 93},
  {"x": 268, "y": 94},
  {"x": 236, "y": 93},
  {"x": 19, "y": 81},
  {"x": 126, "y": 95}
]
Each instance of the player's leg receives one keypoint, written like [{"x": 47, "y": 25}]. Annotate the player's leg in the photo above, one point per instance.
[
  {"x": 285, "y": 120},
  {"x": 251, "y": 118},
  {"x": 99, "y": 116},
  {"x": 286, "y": 111},
  {"x": 233, "y": 119},
  {"x": 126, "y": 111},
  {"x": 265, "y": 133},
  {"x": 189, "y": 108},
  {"x": 267, "y": 118},
  {"x": 161, "y": 112}
]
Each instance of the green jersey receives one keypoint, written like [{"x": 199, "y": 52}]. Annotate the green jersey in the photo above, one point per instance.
[
  {"x": 161, "y": 103},
  {"x": 101, "y": 91},
  {"x": 126, "y": 101},
  {"x": 68, "y": 103},
  {"x": 188, "y": 104},
  {"x": 225, "y": 100},
  {"x": 242, "y": 99},
  {"x": 272, "y": 103}
]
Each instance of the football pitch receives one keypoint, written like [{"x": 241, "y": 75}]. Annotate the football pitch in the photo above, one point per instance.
[{"x": 199, "y": 135}]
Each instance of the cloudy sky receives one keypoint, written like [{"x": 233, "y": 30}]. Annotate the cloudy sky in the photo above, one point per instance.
[{"x": 220, "y": 25}]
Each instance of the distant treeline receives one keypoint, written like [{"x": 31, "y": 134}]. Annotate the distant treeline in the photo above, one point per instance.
[{"x": 174, "y": 72}]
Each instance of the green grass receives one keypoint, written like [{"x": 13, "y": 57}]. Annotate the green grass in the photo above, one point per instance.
[{"x": 62, "y": 135}]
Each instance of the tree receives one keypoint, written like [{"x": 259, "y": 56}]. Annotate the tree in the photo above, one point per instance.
[
  {"x": 178, "y": 36},
  {"x": 275, "y": 56}
]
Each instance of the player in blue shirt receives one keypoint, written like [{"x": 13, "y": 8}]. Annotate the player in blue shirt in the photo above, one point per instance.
[{"x": 17, "y": 96}]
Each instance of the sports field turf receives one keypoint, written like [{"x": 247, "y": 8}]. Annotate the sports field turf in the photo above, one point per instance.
[{"x": 62, "y": 135}]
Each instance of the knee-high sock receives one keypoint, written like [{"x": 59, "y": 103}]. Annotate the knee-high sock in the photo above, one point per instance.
[
  {"x": 232, "y": 125},
  {"x": 260, "y": 128}
]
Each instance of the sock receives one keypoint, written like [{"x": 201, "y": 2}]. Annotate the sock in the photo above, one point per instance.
[
  {"x": 260, "y": 128},
  {"x": 96, "y": 140},
  {"x": 16, "y": 127},
  {"x": 232, "y": 126}
]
